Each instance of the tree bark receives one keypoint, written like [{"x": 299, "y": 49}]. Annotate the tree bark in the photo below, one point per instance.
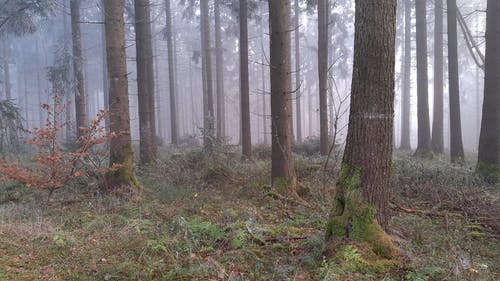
[
  {"x": 246, "y": 141},
  {"x": 424, "y": 136},
  {"x": 456, "y": 145},
  {"x": 282, "y": 170},
  {"x": 120, "y": 146},
  {"x": 364, "y": 186},
  {"x": 145, "y": 81},
  {"x": 80, "y": 102},
  {"x": 208, "y": 108},
  {"x": 219, "y": 74},
  {"x": 323, "y": 74},
  {"x": 298, "y": 106},
  {"x": 105, "y": 81},
  {"x": 405, "y": 100},
  {"x": 489, "y": 140},
  {"x": 437, "y": 121},
  {"x": 171, "y": 77}
]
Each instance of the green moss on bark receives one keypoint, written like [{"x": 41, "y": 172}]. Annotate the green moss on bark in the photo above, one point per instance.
[{"x": 353, "y": 217}]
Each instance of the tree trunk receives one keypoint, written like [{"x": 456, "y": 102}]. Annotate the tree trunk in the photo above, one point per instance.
[
  {"x": 80, "y": 103},
  {"x": 246, "y": 141},
  {"x": 6, "y": 67},
  {"x": 405, "y": 99},
  {"x": 208, "y": 108},
  {"x": 323, "y": 74},
  {"x": 298, "y": 81},
  {"x": 105, "y": 81},
  {"x": 171, "y": 77},
  {"x": 219, "y": 73},
  {"x": 145, "y": 81},
  {"x": 456, "y": 146},
  {"x": 364, "y": 186},
  {"x": 120, "y": 146},
  {"x": 437, "y": 121},
  {"x": 489, "y": 139},
  {"x": 282, "y": 170},
  {"x": 424, "y": 136}
]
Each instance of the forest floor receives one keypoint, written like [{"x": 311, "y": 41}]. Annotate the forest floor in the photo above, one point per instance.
[{"x": 210, "y": 218}]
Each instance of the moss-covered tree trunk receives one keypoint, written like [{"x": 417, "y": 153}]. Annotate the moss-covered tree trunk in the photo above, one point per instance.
[
  {"x": 120, "y": 146},
  {"x": 361, "y": 200}
]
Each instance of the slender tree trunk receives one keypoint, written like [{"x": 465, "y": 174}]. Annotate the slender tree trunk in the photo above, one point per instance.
[
  {"x": 298, "y": 81},
  {"x": 437, "y": 122},
  {"x": 171, "y": 77},
  {"x": 362, "y": 197},
  {"x": 246, "y": 142},
  {"x": 424, "y": 136},
  {"x": 405, "y": 99},
  {"x": 120, "y": 146},
  {"x": 282, "y": 161},
  {"x": 208, "y": 118},
  {"x": 105, "y": 81},
  {"x": 456, "y": 145},
  {"x": 6, "y": 67},
  {"x": 219, "y": 59},
  {"x": 323, "y": 74},
  {"x": 145, "y": 81},
  {"x": 80, "y": 102},
  {"x": 489, "y": 140}
]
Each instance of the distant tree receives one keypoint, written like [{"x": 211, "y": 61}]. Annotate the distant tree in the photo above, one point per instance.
[
  {"x": 298, "y": 107},
  {"x": 171, "y": 75},
  {"x": 145, "y": 81},
  {"x": 456, "y": 145},
  {"x": 437, "y": 120},
  {"x": 282, "y": 170},
  {"x": 424, "y": 135},
  {"x": 6, "y": 67},
  {"x": 80, "y": 103},
  {"x": 405, "y": 99},
  {"x": 120, "y": 146},
  {"x": 219, "y": 72},
  {"x": 18, "y": 17},
  {"x": 206, "y": 57},
  {"x": 246, "y": 141},
  {"x": 323, "y": 74},
  {"x": 362, "y": 197},
  {"x": 489, "y": 139}
]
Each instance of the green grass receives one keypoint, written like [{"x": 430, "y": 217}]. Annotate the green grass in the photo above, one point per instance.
[{"x": 187, "y": 228}]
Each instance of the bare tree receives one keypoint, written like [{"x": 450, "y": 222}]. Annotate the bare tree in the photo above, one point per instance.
[
  {"x": 246, "y": 141},
  {"x": 405, "y": 99},
  {"x": 298, "y": 107},
  {"x": 437, "y": 121},
  {"x": 219, "y": 74}
]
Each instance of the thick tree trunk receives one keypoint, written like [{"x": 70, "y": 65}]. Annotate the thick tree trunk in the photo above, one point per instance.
[
  {"x": 424, "y": 135},
  {"x": 219, "y": 74},
  {"x": 120, "y": 146},
  {"x": 456, "y": 145},
  {"x": 489, "y": 140},
  {"x": 282, "y": 170},
  {"x": 405, "y": 99},
  {"x": 208, "y": 104},
  {"x": 145, "y": 81},
  {"x": 323, "y": 74},
  {"x": 363, "y": 189},
  {"x": 80, "y": 103},
  {"x": 298, "y": 107},
  {"x": 437, "y": 121},
  {"x": 174, "y": 131},
  {"x": 246, "y": 141}
]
